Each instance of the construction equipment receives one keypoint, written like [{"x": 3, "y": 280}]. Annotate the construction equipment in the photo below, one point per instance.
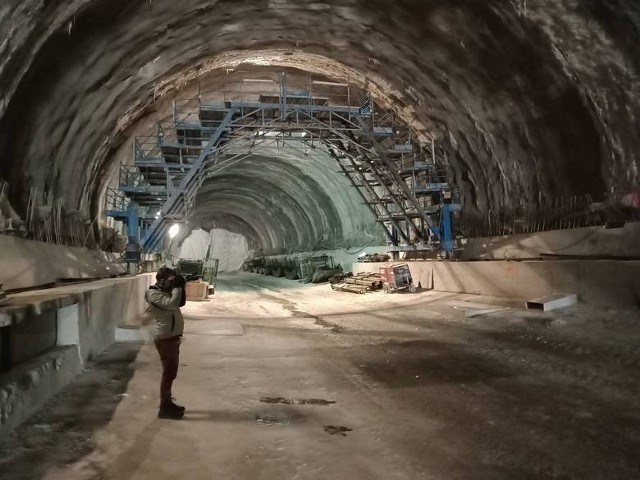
[
  {"x": 210, "y": 271},
  {"x": 403, "y": 180},
  {"x": 190, "y": 267},
  {"x": 374, "y": 258},
  {"x": 397, "y": 277}
]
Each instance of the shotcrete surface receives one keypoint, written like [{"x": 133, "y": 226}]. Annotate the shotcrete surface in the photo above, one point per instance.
[
  {"x": 420, "y": 391},
  {"x": 532, "y": 99}
]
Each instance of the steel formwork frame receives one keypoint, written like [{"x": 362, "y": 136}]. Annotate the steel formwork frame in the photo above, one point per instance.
[{"x": 201, "y": 136}]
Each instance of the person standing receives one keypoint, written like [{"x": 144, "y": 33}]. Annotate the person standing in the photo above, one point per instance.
[{"x": 165, "y": 299}]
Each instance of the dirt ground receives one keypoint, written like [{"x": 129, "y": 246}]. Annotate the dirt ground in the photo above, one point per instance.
[{"x": 284, "y": 381}]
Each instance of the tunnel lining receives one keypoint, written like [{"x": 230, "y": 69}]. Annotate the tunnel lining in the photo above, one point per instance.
[{"x": 471, "y": 85}]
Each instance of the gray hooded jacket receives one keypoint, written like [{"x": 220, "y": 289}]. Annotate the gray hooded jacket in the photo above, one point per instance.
[{"x": 165, "y": 308}]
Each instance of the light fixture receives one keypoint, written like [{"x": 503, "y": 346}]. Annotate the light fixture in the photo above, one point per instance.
[
  {"x": 331, "y": 84},
  {"x": 173, "y": 231}
]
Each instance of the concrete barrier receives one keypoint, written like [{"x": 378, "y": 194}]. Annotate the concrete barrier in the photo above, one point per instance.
[
  {"x": 597, "y": 282},
  {"x": 621, "y": 242},
  {"x": 48, "y": 335}
]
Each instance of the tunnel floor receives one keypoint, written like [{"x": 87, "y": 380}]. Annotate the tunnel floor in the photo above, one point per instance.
[{"x": 283, "y": 381}]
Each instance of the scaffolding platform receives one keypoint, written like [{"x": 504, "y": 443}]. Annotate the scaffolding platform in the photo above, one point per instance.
[{"x": 375, "y": 150}]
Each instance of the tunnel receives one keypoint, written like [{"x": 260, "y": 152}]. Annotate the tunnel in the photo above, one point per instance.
[
  {"x": 491, "y": 146},
  {"x": 526, "y": 102}
]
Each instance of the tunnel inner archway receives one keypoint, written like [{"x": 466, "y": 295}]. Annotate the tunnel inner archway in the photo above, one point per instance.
[
  {"x": 229, "y": 248},
  {"x": 490, "y": 80},
  {"x": 284, "y": 196}
]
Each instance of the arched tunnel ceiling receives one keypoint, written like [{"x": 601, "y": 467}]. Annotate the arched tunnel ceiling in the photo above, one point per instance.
[
  {"x": 531, "y": 97},
  {"x": 290, "y": 200}
]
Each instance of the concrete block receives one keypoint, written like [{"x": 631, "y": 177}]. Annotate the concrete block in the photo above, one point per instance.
[
  {"x": 551, "y": 302},
  {"x": 26, "y": 387}
]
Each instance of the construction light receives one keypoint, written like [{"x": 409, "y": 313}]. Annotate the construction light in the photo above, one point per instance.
[
  {"x": 331, "y": 84},
  {"x": 173, "y": 231}
]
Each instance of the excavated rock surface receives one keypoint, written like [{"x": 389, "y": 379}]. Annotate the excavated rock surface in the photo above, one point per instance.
[{"x": 532, "y": 97}]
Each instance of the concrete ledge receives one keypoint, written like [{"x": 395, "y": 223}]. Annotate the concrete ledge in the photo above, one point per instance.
[
  {"x": 27, "y": 263},
  {"x": 18, "y": 308},
  {"x": 70, "y": 324},
  {"x": 589, "y": 241},
  {"x": 597, "y": 282},
  {"x": 102, "y": 305},
  {"x": 24, "y": 389}
]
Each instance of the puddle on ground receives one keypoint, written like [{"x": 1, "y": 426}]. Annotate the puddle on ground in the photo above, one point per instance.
[
  {"x": 291, "y": 306},
  {"x": 334, "y": 328},
  {"x": 266, "y": 419},
  {"x": 333, "y": 430},
  {"x": 296, "y": 401}
]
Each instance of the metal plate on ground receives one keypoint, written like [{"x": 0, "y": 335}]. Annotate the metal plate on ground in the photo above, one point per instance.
[{"x": 552, "y": 302}]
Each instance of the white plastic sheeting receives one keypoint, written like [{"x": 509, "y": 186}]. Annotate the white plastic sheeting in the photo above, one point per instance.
[{"x": 230, "y": 248}]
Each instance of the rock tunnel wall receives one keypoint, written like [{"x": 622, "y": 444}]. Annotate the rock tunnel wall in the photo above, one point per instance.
[
  {"x": 532, "y": 98},
  {"x": 283, "y": 200}
]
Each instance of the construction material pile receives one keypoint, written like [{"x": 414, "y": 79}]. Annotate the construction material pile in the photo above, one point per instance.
[
  {"x": 361, "y": 283},
  {"x": 302, "y": 267}
]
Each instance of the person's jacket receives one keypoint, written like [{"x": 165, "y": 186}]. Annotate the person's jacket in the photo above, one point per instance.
[{"x": 165, "y": 308}]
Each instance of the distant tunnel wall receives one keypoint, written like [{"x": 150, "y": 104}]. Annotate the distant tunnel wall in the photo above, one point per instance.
[{"x": 287, "y": 203}]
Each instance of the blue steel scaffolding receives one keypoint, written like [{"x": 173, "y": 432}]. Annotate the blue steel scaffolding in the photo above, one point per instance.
[{"x": 401, "y": 182}]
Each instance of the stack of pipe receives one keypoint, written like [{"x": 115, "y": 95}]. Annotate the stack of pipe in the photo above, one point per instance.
[{"x": 361, "y": 283}]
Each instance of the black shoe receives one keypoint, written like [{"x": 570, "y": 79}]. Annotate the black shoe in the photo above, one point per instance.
[
  {"x": 172, "y": 407},
  {"x": 177, "y": 408},
  {"x": 170, "y": 413}
]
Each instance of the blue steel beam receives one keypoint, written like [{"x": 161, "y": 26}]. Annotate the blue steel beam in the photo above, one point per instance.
[
  {"x": 252, "y": 112},
  {"x": 155, "y": 231},
  {"x": 446, "y": 239}
]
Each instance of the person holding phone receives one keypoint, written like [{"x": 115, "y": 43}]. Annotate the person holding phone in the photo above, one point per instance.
[{"x": 165, "y": 299}]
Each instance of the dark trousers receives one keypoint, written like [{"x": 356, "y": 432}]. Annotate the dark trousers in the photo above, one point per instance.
[{"x": 169, "y": 350}]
